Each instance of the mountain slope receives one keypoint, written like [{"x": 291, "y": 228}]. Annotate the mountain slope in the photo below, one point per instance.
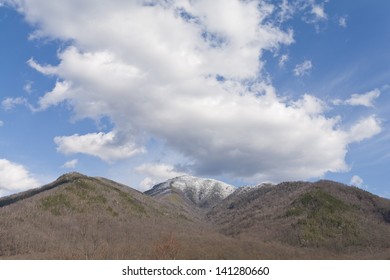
[
  {"x": 323, "y": 214},
  {"x": 204, "y": 193},
  {"x": 81, "y": 217}
]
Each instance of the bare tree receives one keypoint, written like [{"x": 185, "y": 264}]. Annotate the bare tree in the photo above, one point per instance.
[{"x": 167, "y": 248}]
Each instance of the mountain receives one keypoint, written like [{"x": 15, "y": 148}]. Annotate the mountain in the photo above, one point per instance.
[
  {"x": 204, "y": 193},
  {"x": 323, "y": 214},
  {"x": 82, "y": 217}
]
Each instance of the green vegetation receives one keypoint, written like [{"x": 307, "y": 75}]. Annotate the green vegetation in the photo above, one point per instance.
[
  {"x": 56, "y": 204},
  {"x": 320, "y": 200},
  {"x": 323, "y": 218},
  {"x": 112, "y": 212},
  {"x": 174, "y": 198},
  {"x": 132, "y": 203},
  {"x": 129, "y": 201},
  {"x": 294, "y": 211},
  {"x": 82, "y": 194},
  {"x": 86, "y": 192}
]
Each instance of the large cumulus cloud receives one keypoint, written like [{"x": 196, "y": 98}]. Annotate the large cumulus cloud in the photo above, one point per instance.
[{"x": 191, "y": 74}]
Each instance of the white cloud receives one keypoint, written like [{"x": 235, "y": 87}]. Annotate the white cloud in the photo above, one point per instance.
[
  {"x": 156, "y": 173},
  {"x": 283, "y": 59},
  {"x": 343, "y": 22},
  {"x": 9, "y": 103},
  {"x": 310, "y": 105},
  {"x": 59, "y": 94},
  {"x": 364, "y": 129},
  {"x": 188, "y": 73},
  {"x": 286, "y": 11},
  {"x": 106, "y": 146},
  {"x": 15, "y": 178},
  {"x": 365, "y": 99},
  {"x": 303, "y": 69},
  {"x": 1, "y": 123},
  {"x": 312, "y": 11},
  {"x": 71, "y": 164},
  {"x": 319, "y": 12},
  {"x": 28, "y": 87},
  {"x": 356, "y": 181},
  {"x": 147, "y": 183},
  {"x": 47, "y": 69}
]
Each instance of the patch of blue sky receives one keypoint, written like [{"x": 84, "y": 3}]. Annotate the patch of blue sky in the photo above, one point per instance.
[
  {"x": 185, "y": 15},
  {"x": 214, "y": 39}
]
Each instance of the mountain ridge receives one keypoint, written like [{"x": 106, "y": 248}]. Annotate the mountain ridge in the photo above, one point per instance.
[
  {"x": 78, "y": 216},
  {"x": 307, "y": 214},
  {"x": 203, "y": 192},
  {"x": 7, "y": 200}
]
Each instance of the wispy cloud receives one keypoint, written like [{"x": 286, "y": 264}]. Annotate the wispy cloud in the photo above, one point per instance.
[
  {"x": 366, "y": 99},
  {"x": 70, "y": 164},
  {"x": 343, "y": 21},
  {"x": 10, "y": 102},
  {"x": 313, "y": 12},
  {"x": 283, "y": 59},
  {"x": 303, "y": 69},
  {"x": 28, "y": 87},
  {"x": 356, "y": 181},
  {"x": 364, "y": 129},
  {"x": 319, "y": 12},
  {"x": 286, "y": 10}
]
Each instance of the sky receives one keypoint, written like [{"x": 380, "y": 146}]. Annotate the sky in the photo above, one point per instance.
[{"x": 245, "y": 92}]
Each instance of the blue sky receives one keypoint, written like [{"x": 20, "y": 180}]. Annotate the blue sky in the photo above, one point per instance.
[{"x": 241, "y": 91}]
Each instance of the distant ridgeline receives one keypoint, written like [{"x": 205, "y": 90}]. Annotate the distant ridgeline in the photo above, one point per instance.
[
  {"x": 66, "y": 178},
  {"x": 81, "y": 217}
]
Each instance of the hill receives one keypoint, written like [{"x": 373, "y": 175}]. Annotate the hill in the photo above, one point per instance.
[
  {"x": 81, "y": 217},
  {"x": 324, "y": 214}
]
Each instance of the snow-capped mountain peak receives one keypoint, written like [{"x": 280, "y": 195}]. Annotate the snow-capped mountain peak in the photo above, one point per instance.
[{"x": 202, "y": 192}]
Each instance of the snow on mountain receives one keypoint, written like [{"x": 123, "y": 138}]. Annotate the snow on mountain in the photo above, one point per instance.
[
  {"x": 246, "y": 189},
  {"x": 203, "y": 192}
]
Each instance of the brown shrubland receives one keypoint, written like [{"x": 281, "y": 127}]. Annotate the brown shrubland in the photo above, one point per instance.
[{"x": 81, "y": 217}]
